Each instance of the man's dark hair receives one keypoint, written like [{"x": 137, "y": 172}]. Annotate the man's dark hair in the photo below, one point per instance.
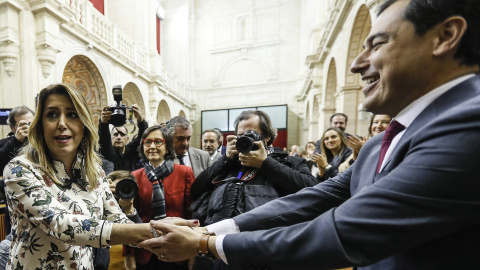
[
  {"x": 339, "y": 114},
  {"x": 265, "y": 124},
  {"x": 214, "y": 130},
  {"x": 17, "y": 111},
  {"x": 424, "y": 14},
  {"x": 177, "y": 121},
  {"x": 168, "y": 142}
]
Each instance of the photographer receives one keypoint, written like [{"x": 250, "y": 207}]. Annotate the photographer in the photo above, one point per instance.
[
  {"x": 19, "y": 120},
  {"x": 260, "y": 172},
  {"x": 114, "y": 178},
  {"x": 116, "y": 148}
]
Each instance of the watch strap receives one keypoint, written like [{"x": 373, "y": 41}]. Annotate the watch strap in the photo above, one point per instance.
[{"x": 203, "y": 245}]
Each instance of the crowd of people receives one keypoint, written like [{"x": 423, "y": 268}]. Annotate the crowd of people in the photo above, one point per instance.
[
  {"x": 398, "y": 198},
  {"x": 56, "y": 150}
]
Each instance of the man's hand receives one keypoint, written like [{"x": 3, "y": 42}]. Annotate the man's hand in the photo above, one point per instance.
[
  {"x": 231, "y": 150},
  {"x": 137, "y": 113},
  {"x": 106, "y": 115},
  {"x": 178, "y": 243},
  {"x": 254, "y": 159},
  {"x": 21, "y": 133}
]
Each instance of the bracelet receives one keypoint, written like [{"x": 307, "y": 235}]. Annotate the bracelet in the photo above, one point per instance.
[
  {"x": 154, "y": 232},
  {"x": 203, "y": 245}
]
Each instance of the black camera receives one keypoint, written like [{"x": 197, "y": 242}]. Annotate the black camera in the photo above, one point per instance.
[
  {"x": 245, "y": 142},
  {"x": 119, "y": 115},
  {"x": 126, "y": 189}
]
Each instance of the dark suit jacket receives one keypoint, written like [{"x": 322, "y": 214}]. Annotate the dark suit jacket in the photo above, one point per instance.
[
  {"x": 199, "y": 159},
  {"x": 128, "y": 160},
  {"x": 177, "y": 199},
  {"x": 421, "y": 212}
]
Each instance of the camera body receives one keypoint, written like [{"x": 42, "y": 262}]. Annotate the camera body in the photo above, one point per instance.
[
  {"x": 119, "y": 112},
  {"x": 126, "y": 189},
  {"x": 245, "y": 142}
]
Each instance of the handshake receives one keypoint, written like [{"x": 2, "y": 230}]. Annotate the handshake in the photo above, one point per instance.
[{"x": 177, "y": 239}]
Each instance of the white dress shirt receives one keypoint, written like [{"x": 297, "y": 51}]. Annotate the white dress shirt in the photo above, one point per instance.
[
  {"x": 409, "y": 113},
  {"x": 186, "y": 160},
  {"x": 404, "y": 117}
]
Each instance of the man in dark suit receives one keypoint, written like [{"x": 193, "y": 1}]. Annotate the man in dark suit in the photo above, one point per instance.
[
  {"x": 418, "y": 206},
  {"x": 181, "y": 131},
  {"x": 210, "y": 143}
]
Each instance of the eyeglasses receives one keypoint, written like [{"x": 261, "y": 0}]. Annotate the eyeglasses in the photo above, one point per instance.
[{"x": 158, "y": 142}]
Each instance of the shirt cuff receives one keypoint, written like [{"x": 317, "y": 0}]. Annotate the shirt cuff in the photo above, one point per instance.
[
  {"x": 219, "y": 247},
  {"x": 223, "y": 227},
  {"x": 105, "y": 232}
]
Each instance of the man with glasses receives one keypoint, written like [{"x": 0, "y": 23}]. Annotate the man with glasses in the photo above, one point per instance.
[{"x": 116, "y": 148}]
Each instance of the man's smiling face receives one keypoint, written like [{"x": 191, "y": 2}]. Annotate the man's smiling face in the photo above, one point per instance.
[{"x": 395, "y": 63}]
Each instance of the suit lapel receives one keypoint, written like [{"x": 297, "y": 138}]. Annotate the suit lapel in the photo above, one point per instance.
[{"x": 456, "y": 95}]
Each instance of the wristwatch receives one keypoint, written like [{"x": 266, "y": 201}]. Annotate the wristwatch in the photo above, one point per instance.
[
  {"x": 203, "y": 246},
  {"x": 328, "y": 167}
]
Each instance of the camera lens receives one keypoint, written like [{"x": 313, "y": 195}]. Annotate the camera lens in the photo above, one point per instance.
[
  {"x": 118, "y": 117},
  {"x": 126, "y": 189},
  {"x": 244, "y": 144}
]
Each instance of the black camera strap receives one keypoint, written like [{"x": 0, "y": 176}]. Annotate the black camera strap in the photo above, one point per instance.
[{"x": 130, "y": 120}]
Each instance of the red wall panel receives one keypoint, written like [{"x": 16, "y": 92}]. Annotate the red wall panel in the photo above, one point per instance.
[
  {"x": 158, "y": 35},
  {"x": 99, "y": 5}
]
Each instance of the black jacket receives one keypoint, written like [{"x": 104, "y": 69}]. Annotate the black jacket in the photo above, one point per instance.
[
  {"x": 126, "y": 161},
  {"x": 286, "y": 177}
]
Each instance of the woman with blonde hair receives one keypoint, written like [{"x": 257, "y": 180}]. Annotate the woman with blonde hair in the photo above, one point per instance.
[
  {"x": 57, "y": 193},
  {"x": 335, "y": 150}
]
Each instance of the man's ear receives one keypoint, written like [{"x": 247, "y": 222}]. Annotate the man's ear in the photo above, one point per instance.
[{"x": 449, "y": 35}]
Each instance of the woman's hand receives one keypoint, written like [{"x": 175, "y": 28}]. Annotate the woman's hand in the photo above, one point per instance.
[
  {"x": 177, "y": 243},
  {"x": 320, "y": 159},
  {"x": 355, "y": 143},
  {"x": 180, "y": 221}
]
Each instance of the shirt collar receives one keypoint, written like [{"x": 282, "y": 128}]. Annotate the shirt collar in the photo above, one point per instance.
[
  {"x": 214, "y": 155},
  {"x": 409, "y": 113},
  {"x": 77, "y": 170}
]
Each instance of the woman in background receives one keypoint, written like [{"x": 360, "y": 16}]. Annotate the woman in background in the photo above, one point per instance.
[
  {"x": 163, "y": 191},
  {"x": 334, "y": 151},
  {"x": 378, "y": 124},
  {"x": 57, "y": 194}
]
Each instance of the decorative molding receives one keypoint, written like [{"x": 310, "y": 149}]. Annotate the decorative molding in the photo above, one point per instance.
[
  {"x": 47, "y": 57},
  {"x": 9, "y": 60}
]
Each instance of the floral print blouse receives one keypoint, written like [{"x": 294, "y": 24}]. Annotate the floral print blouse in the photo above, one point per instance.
[{"x": 56, "y": 226}]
